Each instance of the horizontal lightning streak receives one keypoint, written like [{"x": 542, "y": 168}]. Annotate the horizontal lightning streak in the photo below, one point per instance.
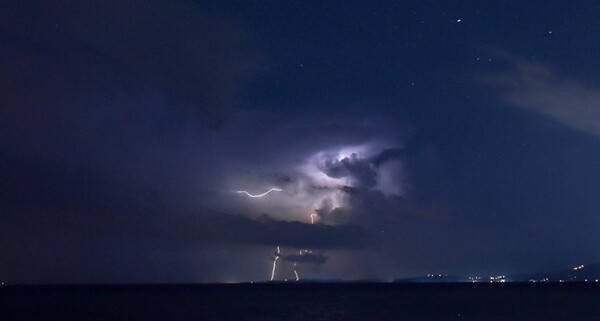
[{"x": 260, "y": 195}]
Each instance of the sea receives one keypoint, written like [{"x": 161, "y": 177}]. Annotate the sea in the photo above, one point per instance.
[{"x": 304, "y": 301}]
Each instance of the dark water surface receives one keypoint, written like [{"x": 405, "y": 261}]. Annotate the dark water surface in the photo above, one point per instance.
[{"x": 303, "y": 302}]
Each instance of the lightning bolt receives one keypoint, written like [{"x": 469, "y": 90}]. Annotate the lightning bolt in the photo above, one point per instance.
[
  {"x": 275, "y": 263},
  {"x": 312, "y": 221},
  {"x": 295, "y": 271},
  {"x": 274, "y": 189},
  {"x": 302, "y": 251}
]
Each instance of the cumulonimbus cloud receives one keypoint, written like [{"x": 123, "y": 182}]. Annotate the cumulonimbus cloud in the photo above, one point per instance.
[{"x": 362, "y": 170}]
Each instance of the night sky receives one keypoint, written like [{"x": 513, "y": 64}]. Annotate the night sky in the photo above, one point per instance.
[{"x": 422, "y": 136}]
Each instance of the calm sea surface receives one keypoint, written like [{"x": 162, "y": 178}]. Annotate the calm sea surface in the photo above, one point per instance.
[{"x": 303, "y": 302}]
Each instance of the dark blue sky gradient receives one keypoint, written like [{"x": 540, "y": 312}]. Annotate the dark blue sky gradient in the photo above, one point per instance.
[{"x": 125, "y": 129}]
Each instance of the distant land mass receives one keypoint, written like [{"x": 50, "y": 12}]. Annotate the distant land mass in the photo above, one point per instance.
[{"x": 580, "y": 273}]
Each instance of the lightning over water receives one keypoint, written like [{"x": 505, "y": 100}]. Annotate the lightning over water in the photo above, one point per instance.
[
  {"x": 295, "y": 269},
  {"x": 275, "y": 263}
]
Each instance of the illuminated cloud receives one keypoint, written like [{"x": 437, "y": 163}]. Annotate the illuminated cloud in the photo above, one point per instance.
[
  {"x": 541, "y": 89},
  {"x": 352, "y": 166}
]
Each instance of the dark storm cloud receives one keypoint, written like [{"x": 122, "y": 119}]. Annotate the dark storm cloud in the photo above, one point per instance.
[
  {"x": 374, "y": 209},
  {"x": 188, "y": 59},
  {"x": 105, "y": 102},
  {"x": 348, "y": 189},
  {"x": 131, "y": 91},
  {"x": 108, "y": 112},
  {"x": 267, "y": 231},
  {"x": 309, "y": 258},
  {"x": 45, "y": 191}
]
